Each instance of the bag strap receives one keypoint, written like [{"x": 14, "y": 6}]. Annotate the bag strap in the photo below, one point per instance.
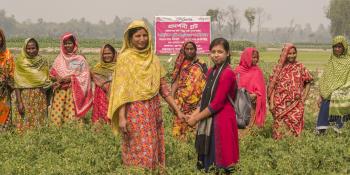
[{"x": 231, "y": 101}]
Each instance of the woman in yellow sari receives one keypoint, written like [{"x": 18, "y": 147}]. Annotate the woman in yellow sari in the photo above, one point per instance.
[
  {"x": 31, "y": 77},
  {"x": 7, "y": 67},
  {"x": 134, "y": 102}
]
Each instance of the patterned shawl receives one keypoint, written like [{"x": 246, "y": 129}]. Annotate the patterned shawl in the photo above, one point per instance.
[
  {"x": 138, "y": 75},
  {"x": 31, "y": 72},
  {"x": 74, "y": 65},
  {"x": 252, "y": 79},
  {"x": 335, "y": 80},
  {"x": 278, "y": 68},
  {"x": 336, "y": 72},
  {"x": 180, "y": 59},
  {"x": 103, "y": 71}
]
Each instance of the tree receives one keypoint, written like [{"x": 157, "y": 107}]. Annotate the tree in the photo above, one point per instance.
[
  {"x": 221, "y": 19},
  {"x": 233, "y": 21},
  {"x": 218, "y": 19},
  {"x": 213, "y": 13},
  {"x": 249, "y": 14},
  {"x": 339, "y": 14},
  {"x": 262, "y": 17},
  {"x": 291, "y": 29}
]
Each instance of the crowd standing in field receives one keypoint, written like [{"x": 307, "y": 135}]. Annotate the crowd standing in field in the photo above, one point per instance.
[{"x": 125, "y": 91}]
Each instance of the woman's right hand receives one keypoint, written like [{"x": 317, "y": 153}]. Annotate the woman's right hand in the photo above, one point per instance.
[
  {"x": 319, "y": 100},
  {"x": 20, "y": 108},
  {"x": 123, "y": 125},
  {"x": 271, "y": 106}
]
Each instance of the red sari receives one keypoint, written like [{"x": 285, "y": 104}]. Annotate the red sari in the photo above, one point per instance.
[
  {"x": 190, "y": 78},
  {"x": 286, "y": 89},
  {"x": 252, "y": 79},
  {"x": 102, "y": 77}
]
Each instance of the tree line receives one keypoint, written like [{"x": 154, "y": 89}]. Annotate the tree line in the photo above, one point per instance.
[{"x": 226, "y": 22}]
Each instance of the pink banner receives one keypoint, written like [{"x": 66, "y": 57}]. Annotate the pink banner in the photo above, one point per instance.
[{"x": 171, "y": 34}]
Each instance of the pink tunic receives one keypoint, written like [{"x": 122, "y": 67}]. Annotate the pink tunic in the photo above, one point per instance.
[{"x": 224, "y": 148}]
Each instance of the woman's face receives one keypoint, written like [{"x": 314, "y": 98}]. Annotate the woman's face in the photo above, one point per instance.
[
  {"x": 255, "y": 58},
  {"x": 338, "y": 49},
  {"x": 31, "y": 49},
  {"x": 107, "y": 55},
  {"x": 218, "y": 54},
  {"x": 190, "y": 51},
  {"x": 139, "y": 39},
  {"x": 292, "y": 55},
  {"x": 68, "y": 45}
]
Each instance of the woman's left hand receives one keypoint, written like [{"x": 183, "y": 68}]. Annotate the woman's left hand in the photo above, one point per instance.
[
  {"x": 181, "y": 116},
  {"x": 66, "y": 79}
]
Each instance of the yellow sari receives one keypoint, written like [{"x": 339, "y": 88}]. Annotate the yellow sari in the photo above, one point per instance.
[{"x": 136, "y": 76}]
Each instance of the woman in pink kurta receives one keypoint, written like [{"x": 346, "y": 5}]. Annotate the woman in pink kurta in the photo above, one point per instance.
[
  {"x": 217, "y": 132},
  {"x": 102, "y": 77}
]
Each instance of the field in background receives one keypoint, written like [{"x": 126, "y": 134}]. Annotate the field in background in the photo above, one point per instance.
[{"x": 77, "y": 149}]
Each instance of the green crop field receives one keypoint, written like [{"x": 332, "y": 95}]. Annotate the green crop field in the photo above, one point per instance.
[{"x": 84, "y": 149}]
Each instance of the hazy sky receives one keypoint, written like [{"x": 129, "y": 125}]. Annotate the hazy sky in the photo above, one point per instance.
[{"x": 281, "y": 11}]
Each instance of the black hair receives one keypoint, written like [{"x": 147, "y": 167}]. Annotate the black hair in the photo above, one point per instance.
[
  {"x": 71, "y": 38},
  {"x": 224, "y": 43},
  {"x": 110, "y": 47},
  {"x": 132, "y": 31},
  {"x": 32, "y": 40}
]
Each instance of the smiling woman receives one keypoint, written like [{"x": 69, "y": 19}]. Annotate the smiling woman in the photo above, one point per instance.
[
  {"x": 134, "y": 102},
  {"x": 288, "y": 89},
  {"x": 102, "y": 77},
  {"x": 31, "y": 77},
  {"x": 72, "y": 88},
  {"x": 334, "y": 87}
]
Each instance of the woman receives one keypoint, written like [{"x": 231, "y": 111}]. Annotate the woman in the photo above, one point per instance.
[
  {"x": 72, "y": 89},
  {"x": 31, "y": 77},
  {"x": 7, "y": 67},
  {"x": 217, "y": 133},
  {"x": 251, "y": 77},
  {"x": 102, "y": 77},
  {"x": 288, "y": 89},
  {"x": 335, "y": 87},
  {"x": 134, "y": 104},
  {"x": 188, "y": 84}
]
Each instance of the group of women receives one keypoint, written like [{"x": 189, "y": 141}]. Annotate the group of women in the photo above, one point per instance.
[
  {"x": 29, "y": 86},
  {"x": 128, "y": 87}
]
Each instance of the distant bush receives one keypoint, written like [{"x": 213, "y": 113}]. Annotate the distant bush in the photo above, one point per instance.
[{"x": 240, "y": 45}]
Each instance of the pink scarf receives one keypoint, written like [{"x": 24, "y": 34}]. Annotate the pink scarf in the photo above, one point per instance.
[
  {"x": 74, "y": 65},
  {"x": 252, "y": 79}
]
